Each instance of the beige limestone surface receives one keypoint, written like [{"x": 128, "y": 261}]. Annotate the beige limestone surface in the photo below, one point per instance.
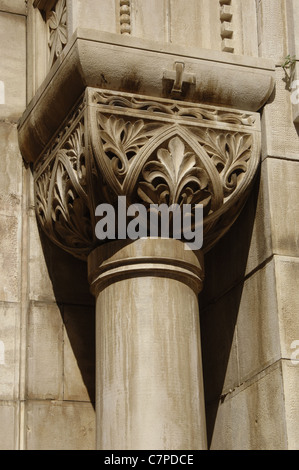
[{"x": 148, "y": 359}]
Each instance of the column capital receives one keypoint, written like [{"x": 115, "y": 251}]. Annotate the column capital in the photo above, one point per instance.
[
  {"x": 125, "y": 63},
  {"x": 92, "y": 134},
  {"x": 153, "y": 151}
]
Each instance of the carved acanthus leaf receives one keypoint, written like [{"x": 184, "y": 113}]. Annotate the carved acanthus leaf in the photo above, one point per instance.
[
  {"x": 57, "y": 30},
  {"x": 230, "y": 152},
  {"x": 69, "y": 210},
  {"x": 62, "y": 203},
  {"x": 122, "y": 140},
  {"x": 176, "y": 177},
  {"x": 42, "y": 188},
  {"x": 152, "y": 152}
]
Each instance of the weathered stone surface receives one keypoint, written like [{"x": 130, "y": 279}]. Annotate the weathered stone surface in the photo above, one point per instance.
[
  {"x": 266, "y": 329},
  {"x": 149, "y": 20},
  {"x": 253, "y": 416},
  {"x": 9, "y": 351},
  {"x": 13, "y": 65},
  {"x": 10, "y": 170},
  {"x": 280, "y": 136},
  {"x": 87, "y": 14},
  {"x": 272, "y": 40},
  {"x": 244, "y": 248},
  {"x": 45, "y": 352},
  {"x": 260, "y": 247},
  {"x": 249, "y": 28},
  {"x": 291, "y": 385},
  {"x": 240, "y": 333},
  {"x": 56, "y": 425},
  {"x": 268, "y": 225},
  {"x": 287, "y": 275},
  {"x": 283, "y": 177},
  {"x": 200, "y": 24},
  {"x": 258, "y": 326},
  {"x": 184, "y": 21},
  {"x": 219, "y": 345},
  {"x": 40, "y": 285},
  {"x": 148, "y": 360},
  {"x": 15, "y": 6},
  {"x": 7, "y": 427},
  {"x": 55, "y": 276},
  {"x": 79, "y": 353},
  {"x": 10, "y": 257},
  {"x": 68, "y": 276}
]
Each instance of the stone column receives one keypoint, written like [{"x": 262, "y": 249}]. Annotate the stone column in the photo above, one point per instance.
[
  {"x": 119, "y": 116},
  {"x": 153, "y": 152},
  {"x": 148, "y": 359}
]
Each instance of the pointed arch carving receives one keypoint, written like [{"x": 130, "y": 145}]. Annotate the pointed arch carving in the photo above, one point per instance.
[{"x": 151, "y": 151}]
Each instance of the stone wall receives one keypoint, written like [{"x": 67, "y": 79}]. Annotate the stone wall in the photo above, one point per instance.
[
  {"x": 249, "y": 308},
  {"x": 13, "y": 180},
  {"x": 46, "y": 310}
]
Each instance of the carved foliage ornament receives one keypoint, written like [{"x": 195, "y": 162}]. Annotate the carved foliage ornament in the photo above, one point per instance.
[
  {"x": 56, "y": 21},
  {"x": 152, "y": 152}
]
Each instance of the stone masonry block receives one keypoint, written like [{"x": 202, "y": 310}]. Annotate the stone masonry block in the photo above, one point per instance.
[
  {"x": 79, "y": 353},
  {"x": 283, "y": 182},
  {"x": 9, "y": 350},
  {"x": 10, "y": 255},
  {"x": 252, "y": 417},
  {"x": 12, "y": 65},
  {"x": 287, "y": 275},
  {"x": 10, "y": 170},
  {"x": 69, "y": 426},
  {"x": 291, "y": 387},
  {"x": 8, "y": 423},
  {"x": 45, "y": 352}
]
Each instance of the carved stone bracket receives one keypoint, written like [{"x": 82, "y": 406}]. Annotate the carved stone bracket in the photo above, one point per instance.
[{"x": 152, "y": 151}]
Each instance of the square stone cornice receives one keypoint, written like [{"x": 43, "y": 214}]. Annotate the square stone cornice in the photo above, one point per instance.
[{"x": 129, "y": 64}]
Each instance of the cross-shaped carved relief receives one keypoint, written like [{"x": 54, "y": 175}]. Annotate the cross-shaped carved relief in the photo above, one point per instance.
[{"x": 179, "y": 77}]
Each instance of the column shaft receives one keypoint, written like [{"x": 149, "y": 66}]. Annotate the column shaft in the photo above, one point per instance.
[{"x": 148, "y": 365}]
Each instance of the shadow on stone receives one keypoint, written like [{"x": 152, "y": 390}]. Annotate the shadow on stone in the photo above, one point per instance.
[
  {"x": 225, "y": 267},
  {"x": 77, "y": 306},
  {"x": 219, "y": 301}
]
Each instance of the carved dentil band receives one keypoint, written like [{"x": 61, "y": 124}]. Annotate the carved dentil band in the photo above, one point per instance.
[{"x": 152, "y": 151}]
